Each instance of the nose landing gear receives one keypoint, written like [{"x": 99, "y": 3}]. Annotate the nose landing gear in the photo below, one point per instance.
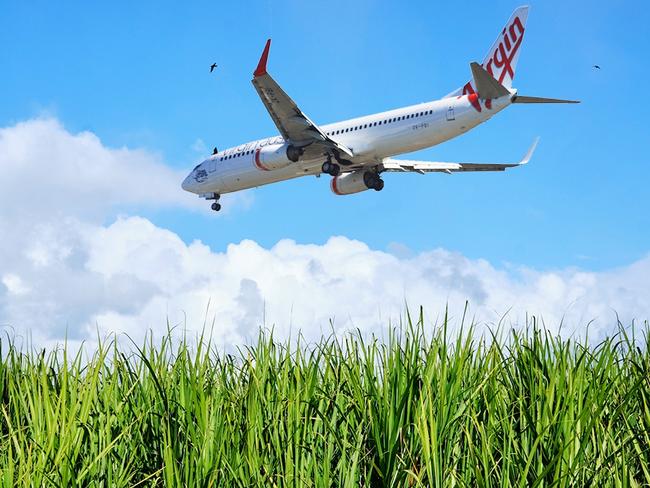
[{"x": 216, "y": 206}]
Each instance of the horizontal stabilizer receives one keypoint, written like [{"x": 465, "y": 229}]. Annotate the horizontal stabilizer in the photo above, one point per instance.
[
  {"x": 486, "y": 86},
  {"x": 522, "y": 99}
]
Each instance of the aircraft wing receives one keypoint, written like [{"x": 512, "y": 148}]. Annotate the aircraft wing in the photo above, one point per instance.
[
  {"x": 400, "y": 165},
  {"x": 293, "y": 124}
]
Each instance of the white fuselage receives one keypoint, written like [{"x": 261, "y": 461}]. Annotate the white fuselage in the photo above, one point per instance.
[{"x": 371, "y": 138}]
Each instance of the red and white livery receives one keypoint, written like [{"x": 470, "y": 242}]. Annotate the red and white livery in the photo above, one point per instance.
[{"x": 358, "y": 151}]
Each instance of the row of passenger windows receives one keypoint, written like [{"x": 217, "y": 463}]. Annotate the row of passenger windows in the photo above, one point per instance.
[
  {"x": 381, "y": 122},
  {"x": 349, "y": 129},
  {"x": 236, "y": 155}
]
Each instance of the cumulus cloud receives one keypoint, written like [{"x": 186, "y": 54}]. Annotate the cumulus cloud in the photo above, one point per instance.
[
  {"x": 131, "y": 276},
  {"x": 63, "y": 272},
  {"x": 47, "y": 167}
]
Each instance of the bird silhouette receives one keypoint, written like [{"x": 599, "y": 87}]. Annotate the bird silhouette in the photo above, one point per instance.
[
  {"x": 212, "y": 67},
  {"x": 596, "y": 66}
]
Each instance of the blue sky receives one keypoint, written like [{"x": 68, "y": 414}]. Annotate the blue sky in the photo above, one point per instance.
[{"x": 136, "y": 74}]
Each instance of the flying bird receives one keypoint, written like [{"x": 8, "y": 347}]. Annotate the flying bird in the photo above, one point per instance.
[
  {"x": 596, "y": 66},
  {"x": 212, "y": 67}
]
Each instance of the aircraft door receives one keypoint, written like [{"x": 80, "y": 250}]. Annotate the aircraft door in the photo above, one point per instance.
[
  {"x": 212, "y": 165},
  {"x": 450, "y": 114}
]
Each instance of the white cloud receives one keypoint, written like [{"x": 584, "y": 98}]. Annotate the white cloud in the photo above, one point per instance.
[
  {"x": 63, "y": 272},
  {"x": 46, "y": 168},
  {"x": 132, "y": 276}
]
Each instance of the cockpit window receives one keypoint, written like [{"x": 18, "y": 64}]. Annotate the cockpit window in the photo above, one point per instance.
[{"x": 197, "y": 167}]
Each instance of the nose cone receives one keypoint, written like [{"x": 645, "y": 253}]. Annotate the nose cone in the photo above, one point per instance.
[{"x": 188, "y": 183}]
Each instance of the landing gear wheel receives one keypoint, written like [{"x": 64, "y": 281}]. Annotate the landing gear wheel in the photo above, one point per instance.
[
  {"x": 331, "y": 169},
  {"x": 216, "y": 206},
  {"x": 373, "y": 181}
]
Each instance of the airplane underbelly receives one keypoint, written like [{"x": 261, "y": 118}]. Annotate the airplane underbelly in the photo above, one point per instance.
[{"x": 244, "y": 176}]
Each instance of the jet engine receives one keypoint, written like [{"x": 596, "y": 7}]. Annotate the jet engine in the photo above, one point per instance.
[
  {"x": 355, "y": 182},
  {"x": 276, "y": 156}
]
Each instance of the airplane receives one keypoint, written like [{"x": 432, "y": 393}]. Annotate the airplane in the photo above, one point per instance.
[{"x": 356, "y": 152}]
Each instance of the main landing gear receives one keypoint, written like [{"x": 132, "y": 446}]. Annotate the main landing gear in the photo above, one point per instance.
[
  {"x": 373, "y": 181},
  {"x": 216, "y": 206},
  {"x": 331, "y": 168}
]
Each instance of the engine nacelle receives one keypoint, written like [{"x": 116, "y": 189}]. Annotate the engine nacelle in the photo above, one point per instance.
[
  {"x": 349, "y": 183},
  {"x": 276, "y": 156}
]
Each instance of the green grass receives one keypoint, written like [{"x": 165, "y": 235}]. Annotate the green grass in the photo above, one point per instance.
[{"x": 520, "y": 409}]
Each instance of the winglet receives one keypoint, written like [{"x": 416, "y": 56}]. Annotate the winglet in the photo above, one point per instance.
[
  {"x": 530, "y": 152},
  {"x": 261, "y": 66}
]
